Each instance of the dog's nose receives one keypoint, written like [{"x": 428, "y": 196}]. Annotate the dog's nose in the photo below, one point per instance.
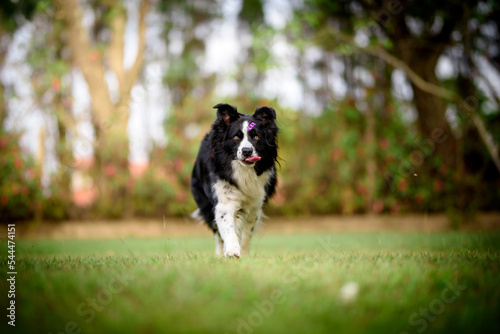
[{"x": 247, "y": 151}]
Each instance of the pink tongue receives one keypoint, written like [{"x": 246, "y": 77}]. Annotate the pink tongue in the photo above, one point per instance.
[{"x": 253, "y": 159}]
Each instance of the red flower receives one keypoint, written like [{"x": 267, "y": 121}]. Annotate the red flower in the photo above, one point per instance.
[
  {"x": 171, "y": 178},
  {"x": 361, "y": 189},
  {"x": 4, "y": 200},
  {"x": 419, "y": 198},
  {"x": 444, "y": 169},
  {"x": 395, "y": 208},
  {"x": 109, "y": 170},
  {"x": 94, "y": 56},
  {"x": 402, "y": 185},
  {"x": 378, "y": 206},
  {"x": 438, "y": 185},
  {"x": 130, "y": 183},
  {"x": 181, "y": 196},
  {"x": 279, "y": 198},
  {"x": 56, "y": 84},
  {"x": 336, "y": 154},
  {"x": 178, "y": 165},
  {"x": 383, "y": 144},
  {"x": 312, "y": 160},
  {"x": 18, "y": 163},
  {"x": 30, "y": 174},
  {"x": 24, "y": 191}
]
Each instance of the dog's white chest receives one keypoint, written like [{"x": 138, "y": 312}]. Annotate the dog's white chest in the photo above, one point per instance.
[
  {"x": 250, "y": 190},
  {"x": 251, "y": 185}
]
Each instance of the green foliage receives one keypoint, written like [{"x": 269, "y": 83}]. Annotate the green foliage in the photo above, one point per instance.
[
  {"x": 324, "y": 158},
  {"x": 12, "y": 11},
  {"x": 57, "y": 204},
  {"x": 19, "y": 180},
  {"x": 164, "y": 189},
  {"x": 114, "y": 180},
  {"x": 323, "y": 168},
  {"x": 152, "y": 194},
  {"x": 261, "y": 56},
  {"x": 22, "y": 195},
  {"x": 184, "y": 75},
  {"x": 252, "y": 13}
]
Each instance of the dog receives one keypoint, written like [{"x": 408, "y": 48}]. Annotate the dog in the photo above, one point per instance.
[{"x": 234, "y": 175}]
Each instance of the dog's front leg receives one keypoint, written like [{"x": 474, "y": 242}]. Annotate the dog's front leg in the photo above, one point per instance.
[
  {"x": 224, "y": 217},
  {"x": 219, "y": 244},
  {"x": 253, "y": 219}
]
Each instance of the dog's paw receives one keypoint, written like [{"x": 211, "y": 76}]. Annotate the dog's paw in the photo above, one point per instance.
[{"x": 233, "y": 252}]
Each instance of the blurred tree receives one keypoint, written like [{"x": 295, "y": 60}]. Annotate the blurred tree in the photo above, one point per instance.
[
  {"x": 346, "y": 150},
  {"x": 94, "y": 53},
  {"x": 418, "y": 34},
  {"x": 251, "y": 13},
  {"x": 20, "y": 191},
  {"x": 12, "y": 15},
  {"x": 51, "y": 83},
  {"x": 20, "y": 178},
  {"x": 255, "y": 56},
  {"x": 413, "y": 37},
  {"x": 187, "y": 26}
]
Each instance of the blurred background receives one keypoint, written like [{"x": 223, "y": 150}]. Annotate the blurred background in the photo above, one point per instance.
[{"x": 385, "y": 107}]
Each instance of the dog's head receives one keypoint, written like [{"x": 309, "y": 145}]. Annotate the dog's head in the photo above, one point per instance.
[{"x": 249, "y": 140}]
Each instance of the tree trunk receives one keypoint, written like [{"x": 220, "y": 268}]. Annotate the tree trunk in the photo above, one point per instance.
[
  {"x": 3, "y": 107},
  {"x": 63, "y": 150},
  {"x": 370, "y": 162},
  {"x": 431, "y": 109},
  {"x": 39, "y": 160},
  {"x": 109, "y": 119}
]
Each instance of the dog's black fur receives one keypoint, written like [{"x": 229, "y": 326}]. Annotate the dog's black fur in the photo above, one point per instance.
[{"x": 218, "y": 151}]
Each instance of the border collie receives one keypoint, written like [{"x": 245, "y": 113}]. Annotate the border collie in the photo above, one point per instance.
[{"x": 234, "y": 175}]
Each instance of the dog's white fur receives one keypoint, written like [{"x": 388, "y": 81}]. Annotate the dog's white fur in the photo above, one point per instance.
[{"x": 245, "y": 143}]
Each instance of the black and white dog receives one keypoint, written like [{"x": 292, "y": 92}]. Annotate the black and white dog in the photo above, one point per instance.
[{"x": 234, "y": 175}]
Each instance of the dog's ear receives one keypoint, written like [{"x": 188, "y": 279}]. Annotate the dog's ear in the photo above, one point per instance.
[
  {"x": 226, "y": 113},
  {"x": 265, "y": 114}
]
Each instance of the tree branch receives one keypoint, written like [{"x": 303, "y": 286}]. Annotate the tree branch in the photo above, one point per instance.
[
  {"x": 89, "y": 61},
  {"x": 424, "y": 86},
  {"x": 117, "y": 45},
  {"x": 486, "y": 81},
  {"x": 133, "y": 73}
]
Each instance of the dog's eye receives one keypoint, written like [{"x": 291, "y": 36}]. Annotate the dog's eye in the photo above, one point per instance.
[
  {"x": 236, "y": 137},
  {"x": 256, "y": 138}
]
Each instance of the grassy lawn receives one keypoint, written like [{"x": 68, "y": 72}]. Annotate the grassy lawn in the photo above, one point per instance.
[{"x": 410, "y": 283}]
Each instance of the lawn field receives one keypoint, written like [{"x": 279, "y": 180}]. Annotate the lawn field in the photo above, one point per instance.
[{"x": 312, "y": 283}]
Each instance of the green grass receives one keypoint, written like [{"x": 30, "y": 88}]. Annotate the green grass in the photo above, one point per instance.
[{"x": 291, "y": 284}]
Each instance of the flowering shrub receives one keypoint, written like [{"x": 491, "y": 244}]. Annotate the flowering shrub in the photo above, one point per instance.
[
  {"x": 19, "y": 180},
  {"x": 323, "y": 169}
]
